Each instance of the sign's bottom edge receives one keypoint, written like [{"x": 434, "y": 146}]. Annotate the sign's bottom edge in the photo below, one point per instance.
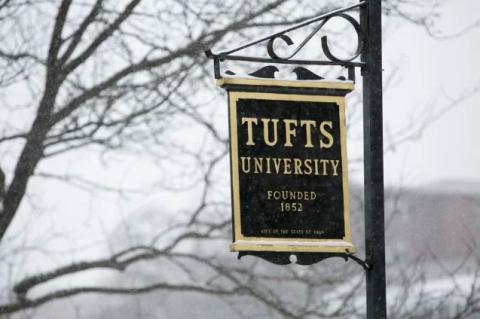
[{"x": 331, "y": 246}]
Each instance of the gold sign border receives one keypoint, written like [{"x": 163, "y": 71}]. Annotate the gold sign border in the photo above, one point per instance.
[
  {"x": 317, "y": 84},
  {"x": 243, "y": 243}
]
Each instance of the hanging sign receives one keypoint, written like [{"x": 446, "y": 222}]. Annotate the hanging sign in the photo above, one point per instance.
[{"x": 288, "y": 165}]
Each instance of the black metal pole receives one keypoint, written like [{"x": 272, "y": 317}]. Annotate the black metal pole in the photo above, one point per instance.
[{"x": 371, "y": 22}]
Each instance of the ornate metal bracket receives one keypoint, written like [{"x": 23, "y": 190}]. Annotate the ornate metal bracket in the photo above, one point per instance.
[
  {"x": 274, "y": 57},
  {"x": 304, "y": 259}
]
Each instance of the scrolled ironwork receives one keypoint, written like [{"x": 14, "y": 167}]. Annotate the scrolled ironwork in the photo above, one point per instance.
[
  {"x": 271, "y": 51},
  {"x": 288, "y": 40},
  {"x": 360, "y": 40},
  {"x": 324, "y": 41},
  {"x": 274, "y": 57}
]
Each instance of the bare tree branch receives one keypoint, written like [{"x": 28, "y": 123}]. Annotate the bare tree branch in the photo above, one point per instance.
[{"x": 102, "y": 37}]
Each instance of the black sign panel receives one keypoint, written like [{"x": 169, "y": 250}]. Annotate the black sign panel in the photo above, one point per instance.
[{"x": 289, "y": 172}]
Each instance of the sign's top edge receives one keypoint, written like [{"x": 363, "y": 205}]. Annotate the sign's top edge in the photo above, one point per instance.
[{"x": 319, "y": 84}]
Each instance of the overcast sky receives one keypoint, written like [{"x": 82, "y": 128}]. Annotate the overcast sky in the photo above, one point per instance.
[{"x": 431, "y": 72}]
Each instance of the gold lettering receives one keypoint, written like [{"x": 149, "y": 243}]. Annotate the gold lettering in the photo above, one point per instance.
[
  {"x": 243, "y": 160},
  {"x": 258, "y": 164},
  {"x": 316, "y": 167},
  {"x": 308, "y": 166},
  {"x": 268, "y": 165},
  {"x": 324, "y": 163},
  {"x": 266, "y": 135},
  {"x": 289, "y": 131},
  {"x": 298, "y": 166},
  {"x": 276, "y": 163},
  {"x": 287, "y": 166},
  {"x": 335, "y": 166},
  {"x": 250, "y": 121},
  {"x": 291, "y": 195},
  {"x": 326, "y": 134},
  {"x": 308, "y": 131}
]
